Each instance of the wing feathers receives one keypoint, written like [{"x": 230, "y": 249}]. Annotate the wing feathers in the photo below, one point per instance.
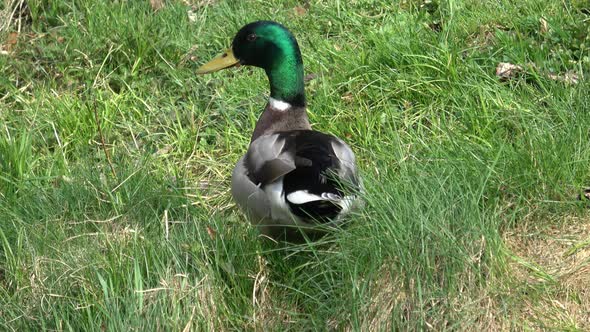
[
  {"x": 267, "y": 159},
  {"x": 274, "y": 169},
  {"x": 307, "y": 172}
]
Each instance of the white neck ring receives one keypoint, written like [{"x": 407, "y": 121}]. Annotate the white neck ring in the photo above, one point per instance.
[{"x": 278, "y": 104}]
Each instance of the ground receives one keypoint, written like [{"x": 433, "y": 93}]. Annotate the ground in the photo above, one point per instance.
[{"x": 469, "y": 120}]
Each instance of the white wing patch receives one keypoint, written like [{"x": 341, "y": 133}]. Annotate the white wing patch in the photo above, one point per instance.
[{"x": 302, "y": 197}]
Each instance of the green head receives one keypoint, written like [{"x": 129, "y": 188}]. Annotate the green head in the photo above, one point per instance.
[{"x": 272, "y": 47}]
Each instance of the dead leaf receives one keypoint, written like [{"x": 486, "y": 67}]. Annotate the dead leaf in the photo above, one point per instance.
[
  {"x": 189, "y": 56},
  {"x": 544, "y": 26},
  {"x": 198, "y": 4},
  {"x": 570, "y": 77},
  {"x": 192, "y": 15},
  {"x": 212, "y": 233},
  {"x": 347, "y": 97},
  {"x": 506, "y": 70},
  {"x": 204, "y": 185},
  {"x": 310, "y": 77},
  {"x": 407, "y": 104},
  {"x": 10, "y": 43},
  {"x": 12, "y": 38},
  {"x": 300, "y": 11},
  {"x": 164, "y": 150},
  {"x": 157, "y": 4}
]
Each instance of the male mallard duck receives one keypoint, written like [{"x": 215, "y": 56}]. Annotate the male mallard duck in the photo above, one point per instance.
[{"x": 291, "y": 177}]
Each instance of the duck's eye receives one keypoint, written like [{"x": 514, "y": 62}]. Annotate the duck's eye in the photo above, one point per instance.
[{"x": 251, "y": 37}]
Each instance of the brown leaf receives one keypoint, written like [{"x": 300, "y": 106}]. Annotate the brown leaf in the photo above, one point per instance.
[
  {"x": 198, "y": 4},
  {"x": 300, "y": 11},
  {"x": 506, "y": 70},
  {"x": 10, "y": 43},
  {"x": 569, "y": 77},
  {"x": 164, "y": 150},
  {"x": 310, "y": 77},
  {"x": 189, "y": 56},
  {"x": 12, "y": 38},
  {"x": 212, "y": 233},
  {"x": 157, "y": 4},
  {"x": 347, "y": 97}
]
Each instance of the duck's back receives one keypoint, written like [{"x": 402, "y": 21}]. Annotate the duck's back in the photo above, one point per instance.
[{"x": 296, "y": 177}]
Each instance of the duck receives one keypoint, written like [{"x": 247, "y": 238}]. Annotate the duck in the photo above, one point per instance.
[{"x": 293, "y": 182}]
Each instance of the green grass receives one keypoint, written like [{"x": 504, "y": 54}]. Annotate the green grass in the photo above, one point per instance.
[{"x": 455, "y": 162}]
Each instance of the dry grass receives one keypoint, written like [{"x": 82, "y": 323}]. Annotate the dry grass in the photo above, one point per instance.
[
  {"x": 547, "y": 285},
  {"x": 16, "y": 13},
  {"x": 556, "y": 259},
  {"x": 387, "y": 292},
  {"x": 270, "y": 310},
  {"x": 550, "y": 287}
]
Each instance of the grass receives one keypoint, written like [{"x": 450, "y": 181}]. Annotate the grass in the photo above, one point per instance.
[{"x": 471, "y": 220}]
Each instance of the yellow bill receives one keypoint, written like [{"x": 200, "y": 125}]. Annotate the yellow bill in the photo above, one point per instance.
[{"x": 225, "y": 60}]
